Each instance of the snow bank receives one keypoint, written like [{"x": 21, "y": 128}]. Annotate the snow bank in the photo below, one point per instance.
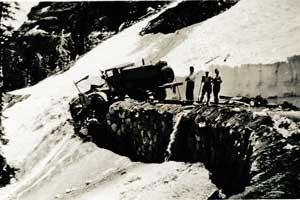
[{"x": 277, "y": 79}]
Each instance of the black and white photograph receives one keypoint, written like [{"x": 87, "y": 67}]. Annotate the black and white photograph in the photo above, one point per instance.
[{"x": 149, "y": 100}]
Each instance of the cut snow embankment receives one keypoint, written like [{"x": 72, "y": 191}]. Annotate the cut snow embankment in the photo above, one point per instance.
[{"x": 250, "y": 43}]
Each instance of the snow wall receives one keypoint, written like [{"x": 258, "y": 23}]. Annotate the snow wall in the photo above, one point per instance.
[
  {"x": 234, "y": 145},
  {"x": 280, "y": 79}
]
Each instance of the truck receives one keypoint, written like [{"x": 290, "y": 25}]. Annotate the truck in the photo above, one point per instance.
[{"x": 142, "y": 82}]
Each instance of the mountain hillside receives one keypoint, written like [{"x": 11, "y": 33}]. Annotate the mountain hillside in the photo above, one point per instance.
[
  {"x": 248, "y": 34},
  {"x": 54, "y": 164},
  {"x": 58, "y": 33}
]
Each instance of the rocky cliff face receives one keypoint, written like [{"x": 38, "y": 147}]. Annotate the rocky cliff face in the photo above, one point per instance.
[
  {"x": 185, "y": 14},
  {"x": 240, "y": 149}
]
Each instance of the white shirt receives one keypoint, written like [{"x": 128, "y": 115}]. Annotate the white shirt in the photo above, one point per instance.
[{"x": 192, "y": 77}]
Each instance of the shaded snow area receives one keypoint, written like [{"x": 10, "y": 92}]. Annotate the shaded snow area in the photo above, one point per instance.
[{"x": 54, "y": 164}]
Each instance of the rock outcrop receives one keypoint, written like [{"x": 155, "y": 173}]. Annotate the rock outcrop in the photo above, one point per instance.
[{"x": 185, "y": 14}]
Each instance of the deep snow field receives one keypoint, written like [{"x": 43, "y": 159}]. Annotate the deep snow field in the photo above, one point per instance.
[{"x": 55, "y": 164}]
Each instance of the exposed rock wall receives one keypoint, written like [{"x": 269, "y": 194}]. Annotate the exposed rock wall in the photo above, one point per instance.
[
  {"x": 240, "y": 149},
  {"x": 184, "y": 14}
]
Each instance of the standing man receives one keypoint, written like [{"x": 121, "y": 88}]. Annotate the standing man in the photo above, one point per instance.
[
  {"x": 217, "y": 86},
  {"x": 190, "y": 84},
  {"x": 206, "y": 80}
]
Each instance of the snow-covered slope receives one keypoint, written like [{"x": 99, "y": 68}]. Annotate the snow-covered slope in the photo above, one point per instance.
[
  {"x": 40, "y": 136},
  {"x": 251, "y": 32}
]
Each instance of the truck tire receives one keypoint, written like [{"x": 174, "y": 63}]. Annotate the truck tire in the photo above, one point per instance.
[{"x": 160, "y": 94}]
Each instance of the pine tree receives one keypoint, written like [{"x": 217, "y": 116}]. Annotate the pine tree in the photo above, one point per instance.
[
  {"x": 6, "y": 13},
  {"x": 79, "y": 20},
  {"x": 63, "y": 55}
]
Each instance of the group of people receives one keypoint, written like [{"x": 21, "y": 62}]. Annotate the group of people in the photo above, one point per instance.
[{"x": 208, "y": 84}]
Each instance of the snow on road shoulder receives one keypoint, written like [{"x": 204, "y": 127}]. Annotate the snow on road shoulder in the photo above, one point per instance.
[
  {"x": 28, "y": 122},
  {"x": 170, "y": 180}
]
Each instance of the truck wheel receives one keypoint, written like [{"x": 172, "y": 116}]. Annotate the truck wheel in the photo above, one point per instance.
[{"x": 160, "y": 94}]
